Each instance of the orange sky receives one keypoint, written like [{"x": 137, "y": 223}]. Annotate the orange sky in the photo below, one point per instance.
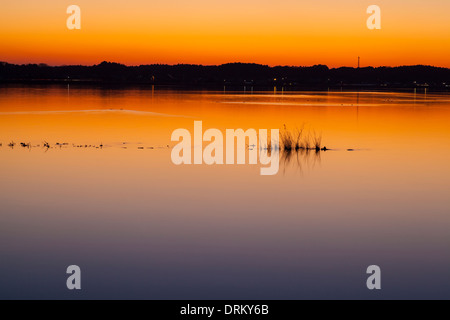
[{"x": 273, "y": 32}]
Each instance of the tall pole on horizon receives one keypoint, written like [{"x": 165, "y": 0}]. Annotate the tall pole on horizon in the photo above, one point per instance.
[{"x": 358, "y": 61}]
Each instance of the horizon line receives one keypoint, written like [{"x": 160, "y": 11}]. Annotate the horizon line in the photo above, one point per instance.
[{"x": 218, "y": 65}]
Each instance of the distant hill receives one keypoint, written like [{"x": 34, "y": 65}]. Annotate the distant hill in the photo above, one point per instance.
[{"x": 231, "y": 74}]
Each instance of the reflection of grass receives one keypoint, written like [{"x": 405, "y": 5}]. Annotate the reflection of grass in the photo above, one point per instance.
[{"x": 301, "y": 158}]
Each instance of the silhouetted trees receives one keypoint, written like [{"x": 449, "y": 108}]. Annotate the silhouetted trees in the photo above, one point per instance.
[{"x": 237, "y": 74}]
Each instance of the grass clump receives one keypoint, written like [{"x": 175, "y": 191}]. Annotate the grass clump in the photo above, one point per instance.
[{"x": 300, "y": 140}]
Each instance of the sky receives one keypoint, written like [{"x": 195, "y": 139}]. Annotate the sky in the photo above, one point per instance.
[{"x": 271, "y": 32}]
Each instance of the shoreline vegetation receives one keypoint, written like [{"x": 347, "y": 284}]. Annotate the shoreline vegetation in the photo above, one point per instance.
[
  {"x": 300, "y": 139},
  {"x": 232, "y": 76}
]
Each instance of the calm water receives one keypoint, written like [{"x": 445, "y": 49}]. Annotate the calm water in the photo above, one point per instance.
[{"x": 141, "y": 227}]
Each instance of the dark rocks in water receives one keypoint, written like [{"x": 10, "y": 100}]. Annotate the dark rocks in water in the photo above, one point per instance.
[{"x": 350, "y": 149}]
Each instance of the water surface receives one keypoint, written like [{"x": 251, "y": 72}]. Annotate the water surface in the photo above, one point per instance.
[{"x": 141, "y": 227}]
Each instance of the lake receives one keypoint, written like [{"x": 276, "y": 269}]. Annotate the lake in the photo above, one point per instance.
[{"x": 94, "y": 185}]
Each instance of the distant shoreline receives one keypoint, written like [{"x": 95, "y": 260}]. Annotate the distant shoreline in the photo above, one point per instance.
[
  {"x": 218, "y": 89},
  {"x": 235, "y": 76}
]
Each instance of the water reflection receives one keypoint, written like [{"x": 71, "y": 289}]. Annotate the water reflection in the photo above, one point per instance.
[
  {"x": 300, "y": 159},
  {"x": 105, "y": 195}
]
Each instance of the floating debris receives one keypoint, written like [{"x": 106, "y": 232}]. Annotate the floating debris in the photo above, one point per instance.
[{"x": 290, "y": 142}]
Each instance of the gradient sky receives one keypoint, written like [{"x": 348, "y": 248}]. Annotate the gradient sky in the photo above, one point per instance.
[{"x": 273, "y": 32}]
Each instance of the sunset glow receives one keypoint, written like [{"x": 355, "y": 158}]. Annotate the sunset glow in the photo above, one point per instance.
[{"x": 284, "y": 32}]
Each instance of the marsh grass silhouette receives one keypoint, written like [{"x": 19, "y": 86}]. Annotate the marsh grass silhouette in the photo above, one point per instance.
[
  {"x": 299, "y": 140},
  {"x": 317, "y": 141},
  {"x": 304, "y": 147}
]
